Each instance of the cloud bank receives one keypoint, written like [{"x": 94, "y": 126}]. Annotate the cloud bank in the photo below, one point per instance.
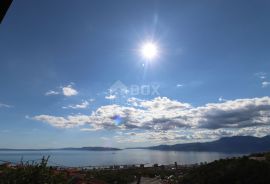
[{"x": 173, "y": 120}]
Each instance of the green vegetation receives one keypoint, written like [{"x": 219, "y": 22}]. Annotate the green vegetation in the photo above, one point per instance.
[
  {"x": 230, "y": 171},
  {"x": 30, "y": 173}
]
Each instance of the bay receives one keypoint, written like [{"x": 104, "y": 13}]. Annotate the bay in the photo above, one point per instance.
[{"x": 78, "y": 158}]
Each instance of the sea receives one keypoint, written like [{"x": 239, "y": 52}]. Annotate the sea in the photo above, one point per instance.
[{"x": 78, "y": 158}]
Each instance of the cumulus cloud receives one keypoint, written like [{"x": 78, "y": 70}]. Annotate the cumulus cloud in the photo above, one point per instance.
[
  {"x": 159, "y": 113},
  {"x": 82, "y": 105},
  {"x": 63, "y": 122},
  {"x": 188, "y": 135},
  {"x": 233, "y": 114},
  {"x": 172, "y": 120},
  {"x": 69, "y": 90},
  {"x": 134, "y": 101}
]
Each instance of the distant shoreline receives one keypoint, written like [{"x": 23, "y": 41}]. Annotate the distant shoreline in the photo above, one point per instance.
[
  {"x": 235, "y": 144},
  {"x": 61, "y": 149}
]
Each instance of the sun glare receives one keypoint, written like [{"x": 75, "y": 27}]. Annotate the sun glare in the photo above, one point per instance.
[{"x": 149, "y": 50}]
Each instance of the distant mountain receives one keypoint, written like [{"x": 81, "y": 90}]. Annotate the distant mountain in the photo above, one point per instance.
[
  {"x": 236, "y": 144},
  {"x": 93, "y": 149},
  {"x": 83, "y": 149}
]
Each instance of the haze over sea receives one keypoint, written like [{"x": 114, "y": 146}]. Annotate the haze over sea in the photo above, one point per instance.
[{"x": 75, "y": 158}]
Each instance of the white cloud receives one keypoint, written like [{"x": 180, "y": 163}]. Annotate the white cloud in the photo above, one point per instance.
[
  {"x": 2, "y": 105},
  {"x": 233, "y": 114},
  {"x": 165, "y": 119},
  {"x": 66, "y": 91},
  {"x": 110, "y": 97},
  {"x": 51, "y": 92},
  {"x": 69, "y": 91},
  {"x": 61, "y": 122},
  {"x": 184, "y": 135},
  {"x": 179, "y": 85},
  {"x": 134, "y": 101},
  {"x": 156, "y": 114},
  {"x": 265, "y": 84},
  {"x": 82, "y": 105}
]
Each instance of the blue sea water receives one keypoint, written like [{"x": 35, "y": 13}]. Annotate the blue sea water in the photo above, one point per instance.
[{"x": 75, "y": 158}]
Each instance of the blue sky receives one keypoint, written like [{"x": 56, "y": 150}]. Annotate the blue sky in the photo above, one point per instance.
[{"x": 59, "y": 59}]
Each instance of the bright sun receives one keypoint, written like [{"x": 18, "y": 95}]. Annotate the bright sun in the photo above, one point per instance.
[{"x": 149, "y": 50}]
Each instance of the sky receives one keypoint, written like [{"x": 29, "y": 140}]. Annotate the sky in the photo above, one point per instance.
[{"x": 73, "y": 73}]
